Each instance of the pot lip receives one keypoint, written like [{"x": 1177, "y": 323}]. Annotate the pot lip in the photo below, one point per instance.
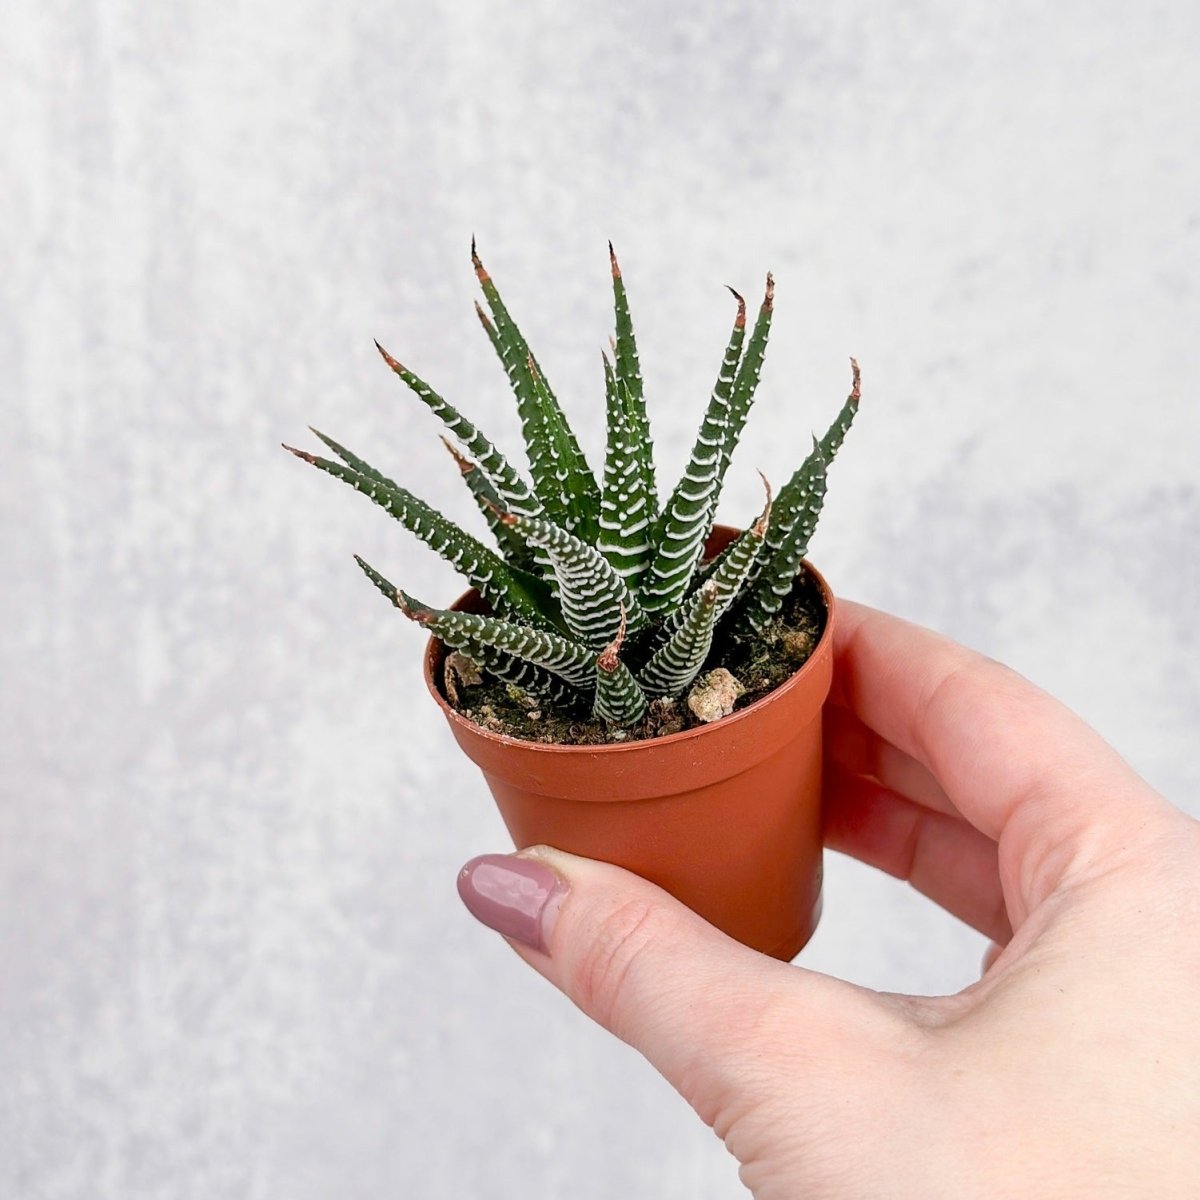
[{"x": 821, "y": 650}]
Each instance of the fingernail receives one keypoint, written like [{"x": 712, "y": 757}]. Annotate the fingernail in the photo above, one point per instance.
[{"x": 517, "y": 897}]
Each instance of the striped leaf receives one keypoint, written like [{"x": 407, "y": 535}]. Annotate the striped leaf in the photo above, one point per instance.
[
  {"x": 675, "y": 664},
  {"x": 504, "y": 588},
  {"x": 514, "y": 492},
  {"x": 491, "y": 504},
  {"x": 835, "y": 435},
  {"x": 676, "y": 546},
  {"x": 729, "y": 571},
  {"x": 595, "y": 600},
  {"x": 352, "y": 460},
  {"x": 523, "y": 675},
  {"x": 619, "y": 698},
  {"x": 688, "y": 515},
  {"x": 629, "y": 372},
  {"x": 562, "y": 479},
  {"x": 506, "y": 667},
  {"x": 749, "y": 374},
  {"x": 794, "y": 496},
  {"x": 574, "y": 663},
  {"x": 765, "y": 596},
  {"x": 624, "y": 509}
]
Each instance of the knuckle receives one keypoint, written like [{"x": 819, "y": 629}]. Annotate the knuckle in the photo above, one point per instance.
[{"x": 601, "y": 974}]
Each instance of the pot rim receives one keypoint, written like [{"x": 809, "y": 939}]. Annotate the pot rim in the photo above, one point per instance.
[{"x": 434, "y": 652}]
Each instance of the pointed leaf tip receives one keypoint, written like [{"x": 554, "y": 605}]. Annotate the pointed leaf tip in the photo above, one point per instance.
[
  {"x": 769, "y": 298},
  {"x": 304, "y": 454},
  {"x": 760, "y": 525},
  {"x": 476, "y": 262},
  {"x": 612, "y": 258},
  {"x": 857, "y": 379},
  {"x": 465, "y": 465},
  {"x": 740, "y": 321},
  {"x": 387, "y": 358},
  {"x": 485, "y": 321}
]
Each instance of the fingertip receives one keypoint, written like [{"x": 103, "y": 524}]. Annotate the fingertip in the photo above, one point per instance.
[{"x": 518, "y": 897}]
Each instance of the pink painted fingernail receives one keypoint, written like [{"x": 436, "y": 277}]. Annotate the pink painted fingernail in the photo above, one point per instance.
[{"x": 517, "y": 897}]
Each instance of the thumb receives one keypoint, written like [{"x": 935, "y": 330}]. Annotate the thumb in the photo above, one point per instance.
[{"x": 721, "y": 1022}]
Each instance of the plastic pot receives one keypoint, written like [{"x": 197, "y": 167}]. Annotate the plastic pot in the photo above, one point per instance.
[{"x": 726, "y": 816}]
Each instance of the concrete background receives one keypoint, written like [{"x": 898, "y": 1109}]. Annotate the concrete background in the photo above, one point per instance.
[{"x": 232, "y": 963}]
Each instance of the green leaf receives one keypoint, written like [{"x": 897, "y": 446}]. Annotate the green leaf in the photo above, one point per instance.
[
  {"x": 794, "y": 496},
  {"x": 746, "y": 385},
  {"x": 624, "y": 537},
  {"x": 350, "y": 459},
  {"x": 675, "y": 664},
  {"x": 504, "y": 588},
  {"x": 688, "y": 515},
  {"x": 619, "y": 698},
  {"x": 730, "y": 570},
  {"x": 562, "y": 479},
  {"x": 491, "y": 504},
  {"x": 504, "y": 666},
  {"x": 575, "y": 664},
  {"x": 629, "y": 373},
  {"x": 765, "y": 596},
  {"x": 835, "y": 435},
  {"x": 595, "y": 599},
  {"x": 514, "y": 492}
]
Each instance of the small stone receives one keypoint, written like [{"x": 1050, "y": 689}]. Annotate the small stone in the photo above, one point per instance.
[
  {"x": 618, "y": 735},
  {"x": 714, "y": 695},
  {"x": 797, "y": 643},
  {"x": 535, "y": 714}
]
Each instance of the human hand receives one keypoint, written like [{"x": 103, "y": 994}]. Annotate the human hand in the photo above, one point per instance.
[{"x": 1072, "y": 1068}]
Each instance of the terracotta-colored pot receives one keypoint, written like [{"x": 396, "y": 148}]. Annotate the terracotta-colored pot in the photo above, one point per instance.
[{"x": 726, "y": 817}]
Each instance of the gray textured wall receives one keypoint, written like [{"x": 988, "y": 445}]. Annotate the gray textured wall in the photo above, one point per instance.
[{"x": 232, "y": 963}]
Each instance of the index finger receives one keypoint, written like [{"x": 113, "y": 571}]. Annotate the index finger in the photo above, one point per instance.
[{"x": 997, "y": 744}]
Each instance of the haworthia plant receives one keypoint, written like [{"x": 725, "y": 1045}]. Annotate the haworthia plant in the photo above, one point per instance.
[{"x": 597, "y": 596}]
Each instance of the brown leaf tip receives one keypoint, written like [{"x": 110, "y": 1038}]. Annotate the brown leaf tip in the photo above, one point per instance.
[
  {"x": 759, "y": 528},
  {"x": 857, "y": 380},
  {"x": 465, "y": 465},
  {"x": 612, "y": 258},
  {"x": 387, "y": 358},
  {"x": 739, "y": 321},
  {"x": 610, "y": 657},
  {"x": 483, "y": 317},
  {"x": 480, "y": 273},
  {"x": 304, "y": 454},
  {"x": 769, "y": 299}
]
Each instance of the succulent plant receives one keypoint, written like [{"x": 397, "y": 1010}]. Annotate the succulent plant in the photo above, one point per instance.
[{"x": 597, "y": 594}]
